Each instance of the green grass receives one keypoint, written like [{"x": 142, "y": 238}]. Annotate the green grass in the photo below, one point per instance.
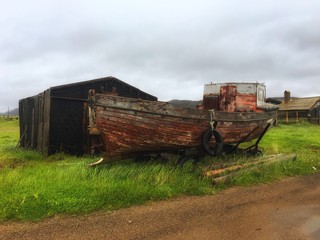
[
  {"x": 302, "y": 139},
  {"x": 33, "y": 188},
  {"x": 41, "y": 190}
]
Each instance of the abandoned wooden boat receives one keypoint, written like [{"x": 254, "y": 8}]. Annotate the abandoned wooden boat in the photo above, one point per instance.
[{"x": 125, "y": 127}]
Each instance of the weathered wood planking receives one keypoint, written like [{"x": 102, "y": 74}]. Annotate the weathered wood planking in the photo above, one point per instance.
[{"x": 131, "y": 126}]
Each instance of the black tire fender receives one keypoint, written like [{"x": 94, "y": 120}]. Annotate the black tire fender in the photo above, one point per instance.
[{"x": 216, "y": 150}]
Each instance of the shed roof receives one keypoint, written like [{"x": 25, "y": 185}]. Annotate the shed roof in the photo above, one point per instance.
[
  {"x": 91, "y": 83},
  {"x": 103, "y": 79},
  {"x": 98, "y": 80},
  {"x": 299, "y": 104}
]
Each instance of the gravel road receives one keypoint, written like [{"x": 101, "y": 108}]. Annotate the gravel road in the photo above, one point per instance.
[{"x": 288, "y": 209}]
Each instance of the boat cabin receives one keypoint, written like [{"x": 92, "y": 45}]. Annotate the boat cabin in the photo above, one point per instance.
[{"x": 235, "y": 97}]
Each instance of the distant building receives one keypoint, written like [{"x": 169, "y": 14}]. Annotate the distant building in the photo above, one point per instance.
[
  {"x": 299, "y": 108},
  {"x": 56, "y": 119}
]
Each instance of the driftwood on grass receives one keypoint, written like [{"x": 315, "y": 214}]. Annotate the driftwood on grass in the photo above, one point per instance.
[{"x": 240, "y": 168}]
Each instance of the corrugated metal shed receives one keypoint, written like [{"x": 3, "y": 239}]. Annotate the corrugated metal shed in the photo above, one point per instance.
[{"x": 56, "y": 119}]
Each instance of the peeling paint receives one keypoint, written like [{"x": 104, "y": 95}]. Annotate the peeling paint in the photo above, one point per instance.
[{"x": 130, "y": 127}]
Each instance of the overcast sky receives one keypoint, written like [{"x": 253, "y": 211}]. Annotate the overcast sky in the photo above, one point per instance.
[{"x": 168, "y": 48}]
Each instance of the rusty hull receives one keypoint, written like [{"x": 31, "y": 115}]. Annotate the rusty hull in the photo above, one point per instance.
[{"x": 131, "y": 127}]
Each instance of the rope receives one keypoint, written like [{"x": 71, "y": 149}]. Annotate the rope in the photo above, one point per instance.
[{"x": 212, "y": 115}]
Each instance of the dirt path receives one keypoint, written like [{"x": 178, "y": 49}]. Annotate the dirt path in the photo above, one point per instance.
[{"x": 289, "y": 209}]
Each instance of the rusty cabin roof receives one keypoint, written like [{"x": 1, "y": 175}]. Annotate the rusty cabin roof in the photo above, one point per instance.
[{"x": 299, "y": 104}]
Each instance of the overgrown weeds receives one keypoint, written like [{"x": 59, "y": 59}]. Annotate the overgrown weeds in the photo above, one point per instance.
[{"x": 34, "y": 188}]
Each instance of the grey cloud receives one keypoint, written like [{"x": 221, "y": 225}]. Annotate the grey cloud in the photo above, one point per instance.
[{"x": 169, "y": 49}]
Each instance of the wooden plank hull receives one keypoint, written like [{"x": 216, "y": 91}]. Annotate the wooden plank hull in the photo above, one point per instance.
[{"x": 131, "y": 127}]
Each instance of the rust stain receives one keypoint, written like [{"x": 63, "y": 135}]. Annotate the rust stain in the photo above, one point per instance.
[
  {"x": 234, "y": 97},
  {"x": 129, "y": 127}
]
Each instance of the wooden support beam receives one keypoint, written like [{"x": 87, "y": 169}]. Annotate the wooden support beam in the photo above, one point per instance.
[{"x": 240, "y": 168}]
